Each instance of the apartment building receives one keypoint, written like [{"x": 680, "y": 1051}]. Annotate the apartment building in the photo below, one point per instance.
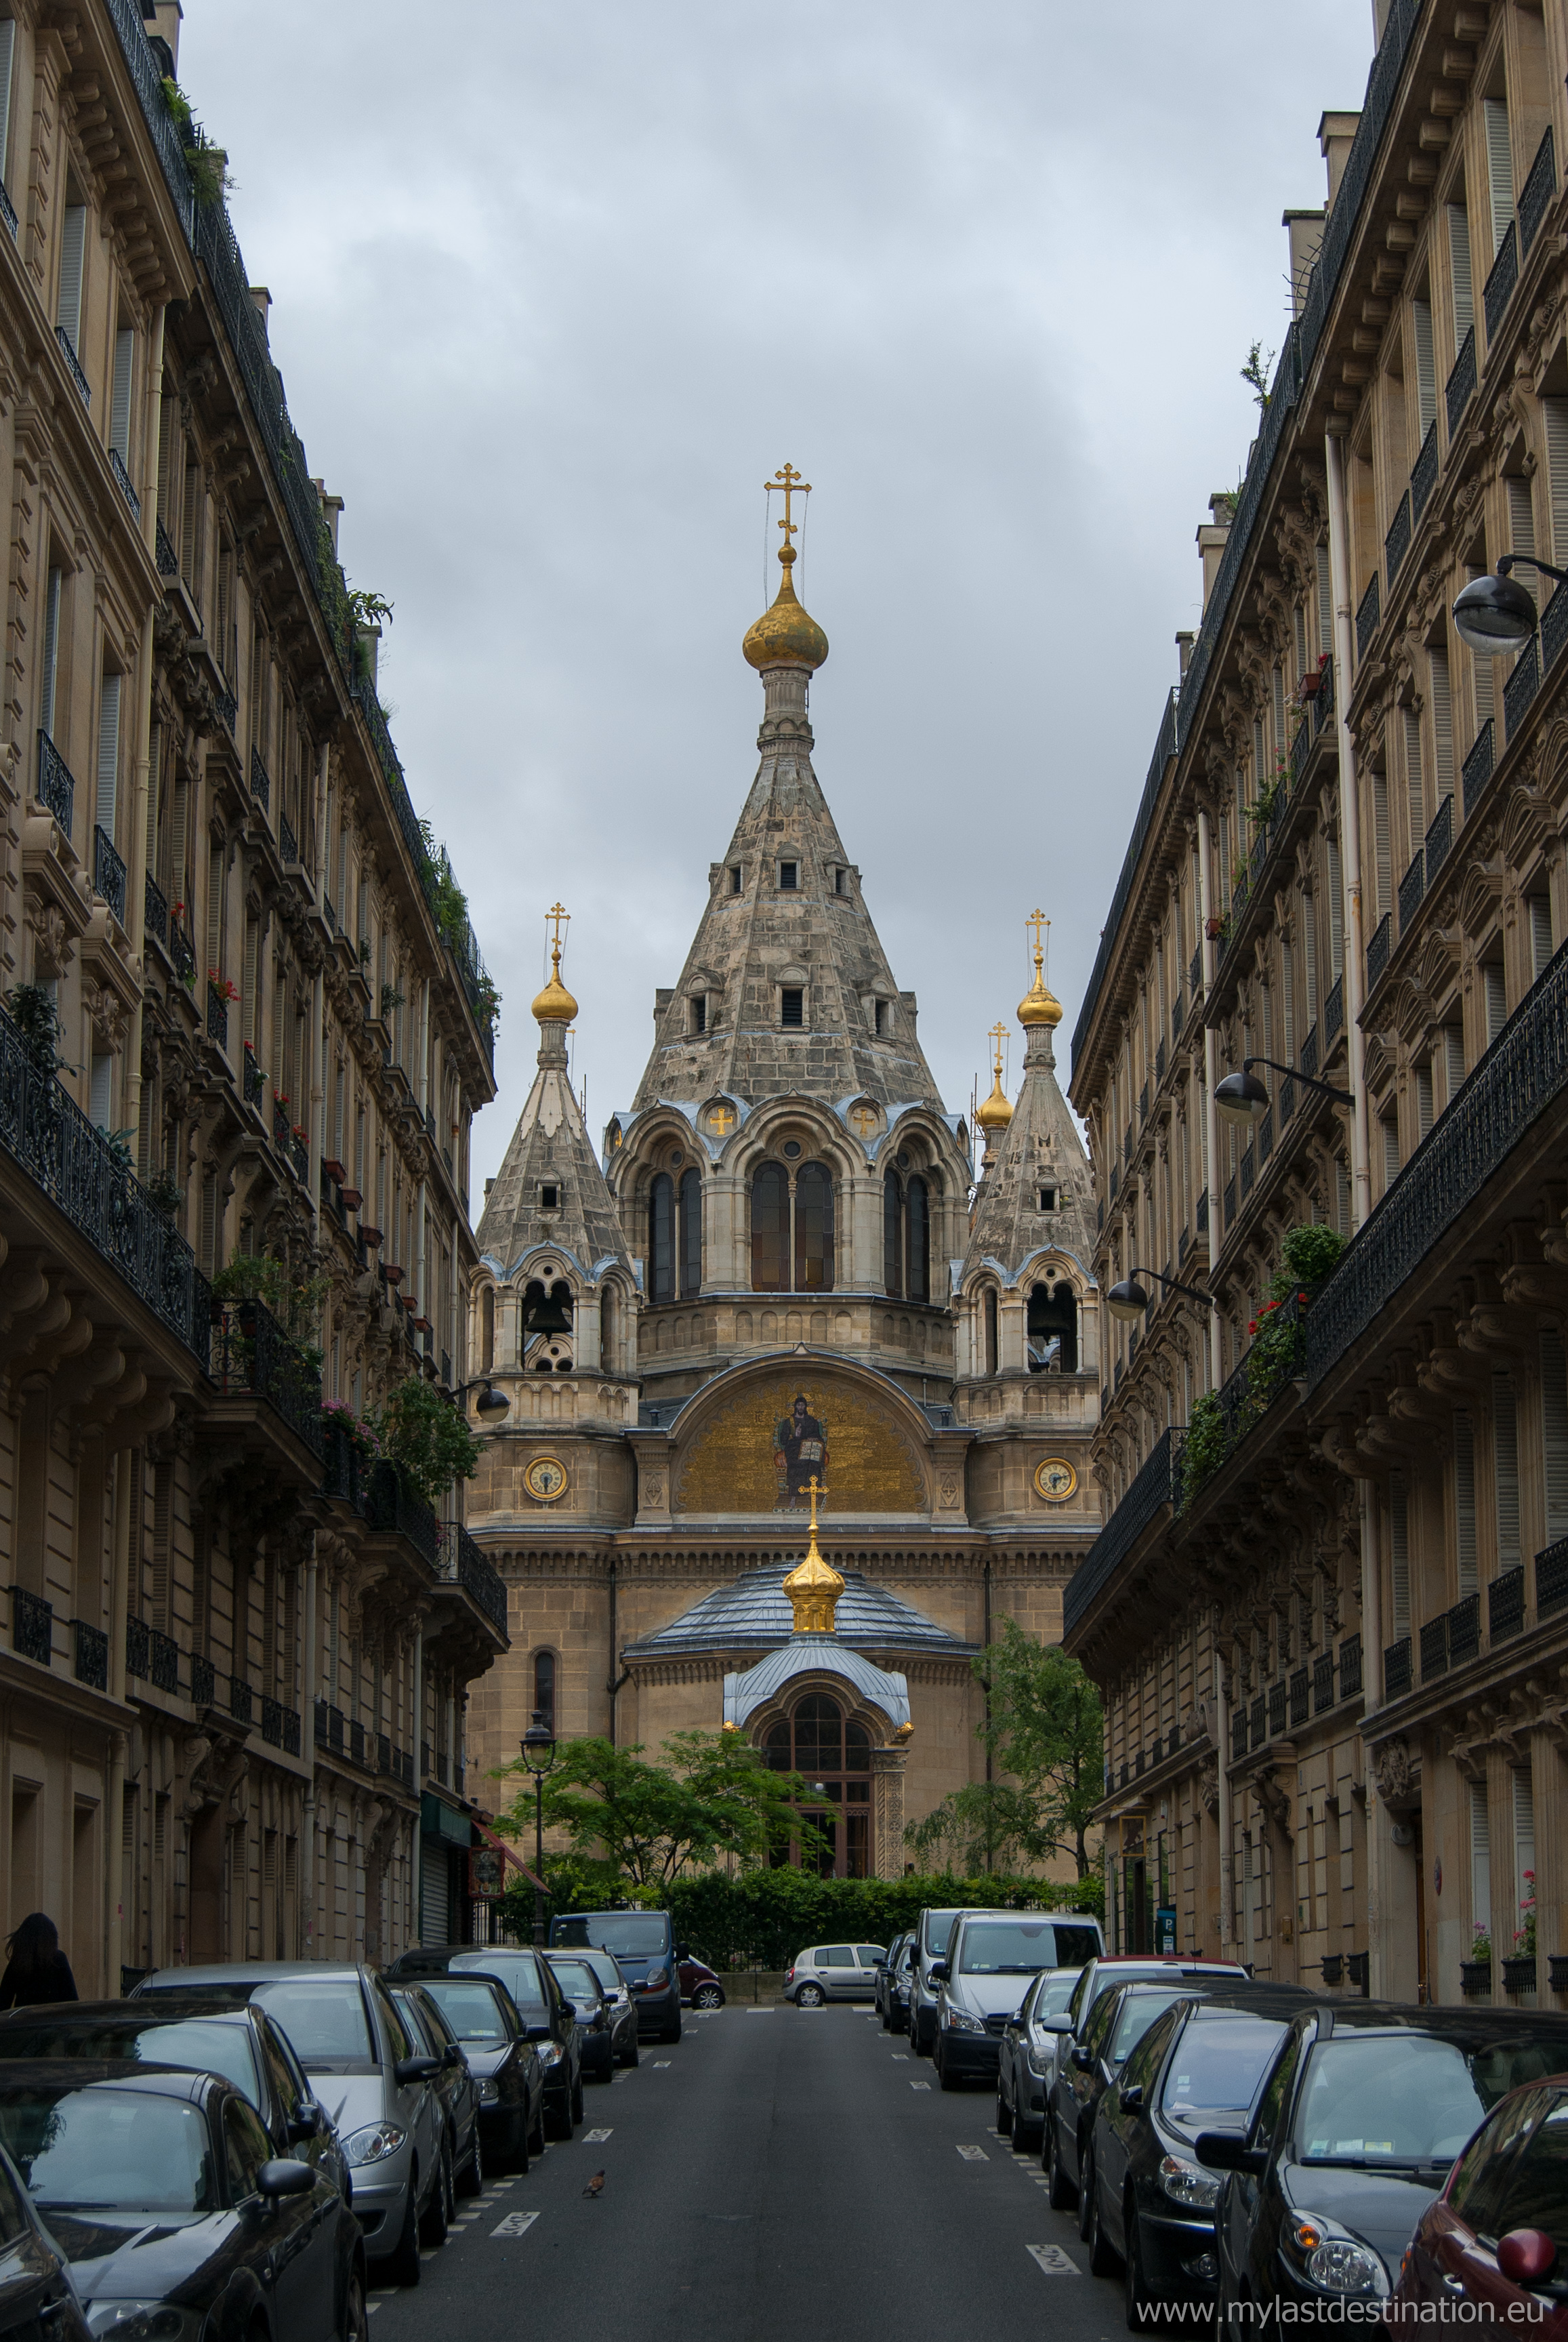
[
  {"x": 1335, "y": 1737},
  {"x": 245, "y": 1028}
]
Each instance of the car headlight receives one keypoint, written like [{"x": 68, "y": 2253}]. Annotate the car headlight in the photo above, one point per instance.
[
  {"x": 374, "y": 2143},
  {"x": 549, "y": 2053},
  {"x": 489, "y": 2092},
  {"x": 1332, "y": 2260},
  {"x": 958, "y": 2020},
  {"x": 658, "y": 1979},
  {"x": 142, "y": 2321},
  {"x": 1185, "y": 2183}
]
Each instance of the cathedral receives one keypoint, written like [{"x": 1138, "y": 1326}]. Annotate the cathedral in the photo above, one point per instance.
[{"x": 779, "y": 1297}]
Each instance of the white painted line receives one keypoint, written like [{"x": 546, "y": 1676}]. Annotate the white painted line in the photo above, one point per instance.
[
  {"x": 590, "y": 2137},
  {"x": 901, "y": 2057},
  {"x": 503, "y": 2183},
  {"x": 660, "y": 2064},
  {"x": 516, "y": 2224},
  {"x": 974, "y": 2154},
  {"x": 372, "y": 2307},
  {"x": 759, "y": 2012},
  {"x": 1051, "y": 2260},
  {"x": 920, "y": 2085}
]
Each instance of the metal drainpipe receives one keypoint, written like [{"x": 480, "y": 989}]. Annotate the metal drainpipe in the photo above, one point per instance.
[
  {"x": 415, "y": 1899},
  {"x": 1211, "y": 1115},
  {"x": 1349, "y": 832},
  {"x": 308, "y": 1905},
  {"x": 1223, "y": 1819}
]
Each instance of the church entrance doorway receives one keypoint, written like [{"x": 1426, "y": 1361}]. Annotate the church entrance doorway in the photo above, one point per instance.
[{"x": 832, "y": 1757}]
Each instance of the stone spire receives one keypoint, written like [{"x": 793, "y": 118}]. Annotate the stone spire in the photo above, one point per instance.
[
  {"x": 1039, "y": 1153},
  {"x": 550, "y": 1189},
  {"x": 786, "y": 928}
]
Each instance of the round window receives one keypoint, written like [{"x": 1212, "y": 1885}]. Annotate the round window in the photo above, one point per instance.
[
  {"x": 903, "y": 1159},
  {"x": 677, "y": 1158},
  {"x": 792, "y": 1148}
]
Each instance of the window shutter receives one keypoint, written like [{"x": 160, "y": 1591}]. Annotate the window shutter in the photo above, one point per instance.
[
  {"x": 1390, "y": 1151},
  {"x": 1464, "y": 1502},
  {"x": 1399, "y": 1557},
  {"x": 73, "y": 244},
  {"x": 1309, "y": 949},
  {"x": 1505, "y": 1464},
  {"x": 1415, "y": 784},
  {"x": 1426, "y": 366},
  {"x": 1554, "y": 1433},
  {"x": 1480, "y": 1860},
  {"x": 120, "y": 394},
  {"x": 1325, "y": 600},
  {"x": 1540, "y": 934},
  {"x": 7, "y": 57},
  {"x": 1499, "y": 169},
  {"x": 1441, "y": 724},
  {"x": 101, "y": 1090},
  {"x": 1521, "y": 531},
  {"x": 1523, "y": 1842},
  {"x": 1335, "y": 909},
  {"x": 1459, "y": 269},
  {"x": 1496, "y": 1001},
  {"x": 1381, "y": 844},
  {"x": 109, "y": 757},
  {"x": 1454, "y": 1059},
  {"x": 51, "y": 650},
  {"x": 1423, "y": 1101}
]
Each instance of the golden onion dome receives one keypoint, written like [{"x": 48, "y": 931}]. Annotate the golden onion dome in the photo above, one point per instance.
[
  {"x": 1039, "y": 1005},
  {"x": 785, "y": 635},
  {"x": 554, "y": 1004},
  {"x": 994, "y": 1113}
]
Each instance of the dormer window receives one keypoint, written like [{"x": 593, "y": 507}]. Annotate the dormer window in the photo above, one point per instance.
[
  {"x": 549, "y": 1196},
  {"x": 789, "y": 877},
  {"x": 700, "y": 1013},
  {"x": 840, "y": 881},
  {"x": 792, "y": 1005},
  {"x": 879, "y": 1016},
  {"x": 734, "y": 877},
  {"x": 1047, "y": 1199}
]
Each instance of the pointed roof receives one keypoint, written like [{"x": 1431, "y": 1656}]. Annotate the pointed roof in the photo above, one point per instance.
[
  {"x": 1040, "y": 1149},
  {"x": 753, "y": 1614},
  {"x": 550, "y": 1151},
  {"x": 816, "y": 936}
]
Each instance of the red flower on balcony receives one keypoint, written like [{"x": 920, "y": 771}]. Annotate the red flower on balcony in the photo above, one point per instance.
[{"x": 222, "y": 985}]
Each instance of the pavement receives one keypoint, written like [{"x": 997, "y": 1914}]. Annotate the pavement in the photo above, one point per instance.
[{"x": 777, "y": 2171}]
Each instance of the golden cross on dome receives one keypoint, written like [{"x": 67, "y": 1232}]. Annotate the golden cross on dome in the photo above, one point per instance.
[
  {"x": 790, "y": 481},
  {"x": 813, "y": 1491},
  {"x": 1037, "y": 920},
  {"x": 558, "y": 916},
  {"x": 998, "y": 1034}
]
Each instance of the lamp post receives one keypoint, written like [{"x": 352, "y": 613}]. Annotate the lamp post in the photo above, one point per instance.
[
  {"x": 1494, "y": 613},
  {"x": 491, "y": 1404},
  {"x": 1129, "y": 1300},
  {"x": 1242, "y": 1097},
  {"x": 539, "y": 1755}
]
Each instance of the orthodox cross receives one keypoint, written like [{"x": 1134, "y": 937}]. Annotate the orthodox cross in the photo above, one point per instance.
[
  {"x": 814, "y": 1490},
  {"x": 998, "y": 1034},
  {"x": 865, "y": 1119},
  {"x": 1037, "y": 920},
  {"x": 557, "y": 915},
  {"x": 722, "y": 1119},
  {"x": 790, "y": 481}
]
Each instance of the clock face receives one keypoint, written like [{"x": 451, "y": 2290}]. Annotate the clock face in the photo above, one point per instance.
[
  {"x": 1055, "y": 1480},
  {"x": 546, "y": 1479}
]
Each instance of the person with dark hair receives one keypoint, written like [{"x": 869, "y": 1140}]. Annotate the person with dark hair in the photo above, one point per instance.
[{"x": 37, "y": 1969}]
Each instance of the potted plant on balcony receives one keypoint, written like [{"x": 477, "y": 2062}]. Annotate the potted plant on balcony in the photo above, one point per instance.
[
  {"x": 426, "y": 1439},
  {"x": 1519, "y": 1967},
  {"x": 1475, "y": 1973},
  {"x": 37, "y": 1020}
]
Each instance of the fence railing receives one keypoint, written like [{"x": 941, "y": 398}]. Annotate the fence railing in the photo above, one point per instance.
[
  {"x": 1157, "y": 1482},
  {"x": 460, "y": 1561},
  {"x": 252, "y": 1353}
]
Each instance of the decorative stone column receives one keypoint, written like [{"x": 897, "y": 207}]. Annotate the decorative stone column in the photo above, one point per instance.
[{"x": 887, "y": 1809}]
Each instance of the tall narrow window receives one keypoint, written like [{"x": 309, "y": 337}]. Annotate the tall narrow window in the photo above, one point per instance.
[
  {"x": 1539, "y": 908},
  {"x": 770, "y": 1229},
  {"x": 1324, "y": 599},
  {"x": 108, "y": 797},
  {"x": 1424, "y": 1099},
  {"x": 989, "y": 1366},
  {"x": 120, "y": 394},
  {"x": 1554, "y": 415},
  {"x": 1459, "y": 271},
  {"x": 1426, "y": 368},
  {"x": 1287, "y": 1000},
  {"x": 1524, "y": 1846},
  {"x": 662, "y": 1237},
  {"x": 789, "y": 877},
  {"x": 1464, "y": 1503},
  {"x": 1390, "y": 1149},
  {"x": 73, "y": 248},
  {"x": 1308, "y": 953},
  {"x": 1399, "y": 1557},
  {"x": 699, "y": 1014},
  {"x": 791, "y": 1005},
  {"x": 813, "y": 1228},
  {"x": 1498, "y": 168},
  {"x": 1415, "y": 784},
  {"x": 1554, "y": 1434},
  {"x": 1496, "y": 997},
  {"x": 1506, "y": 1470},
  {"x": 51, "y": 652},
  {"x": 1335, "y": 909},
  {"x": 1521, "y": 531},
  {"x": 7, "y": 60},
  {"x": 734, "y": 877},
  {"x": 891, "y": 1236},
  {"x": 1480, "y": 1861},
  {"x": 691, "y": 1205},
  {"x": 918, "y": 1221},
  {"x": 1453, "y": 1061},
  {"x": 1441, "y": 727},
  {"x": 487, "y": 1329},
  {"x": 1382, "y": 848},
  {"x": 545, "y": 1687}
]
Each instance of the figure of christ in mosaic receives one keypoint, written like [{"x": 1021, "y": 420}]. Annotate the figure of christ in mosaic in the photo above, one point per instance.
[{"x": 800, "y": 1455}]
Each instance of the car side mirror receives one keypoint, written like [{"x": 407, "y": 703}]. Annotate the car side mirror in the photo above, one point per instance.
[
  {"x": 940, "y": 1971},
  {"x": 1083, "y": 2061},
  {"x": 305, "y": 2124},
  {"x": 568, "y": 2008},
  {"x": 452, "y": 2054},
  {"x": 1054, "y": 2023},
  {"x": 1133, "y": 2097},
  {"x": 1527, "y": 2257},
  {"x": 415, "y": 2069},
  {"x": 284, "y": 2176},
  {"x": 683, "y": 1952},
  {"x": 1223, "y": 2150},
  {"x": 537, "y": 2032}
]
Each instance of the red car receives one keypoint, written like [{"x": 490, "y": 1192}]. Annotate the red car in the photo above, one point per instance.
[
  {"x": 700, "y": 1986},
  {"x": 1497, "y": 2236}
]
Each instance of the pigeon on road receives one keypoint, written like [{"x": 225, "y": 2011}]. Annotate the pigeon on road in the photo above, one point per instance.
[{"x": 596, "y": 2185}]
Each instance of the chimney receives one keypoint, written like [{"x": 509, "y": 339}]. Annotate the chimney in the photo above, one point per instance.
[
  {"x": 1211, "y": 537},
  {"x": 1334, "y": 134},
  {"x": 1184, "y": 646},
  {"x": 332, "y": 512},
  {"x": 261, "y": 301},
  {"x": 1304, "y": 230},
  {"x": 165, "y": 28}
]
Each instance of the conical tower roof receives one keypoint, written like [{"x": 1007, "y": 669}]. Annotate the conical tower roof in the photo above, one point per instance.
[
  {"x": 785, "y": 913},
  {"x": 1039, "y": 1150}
]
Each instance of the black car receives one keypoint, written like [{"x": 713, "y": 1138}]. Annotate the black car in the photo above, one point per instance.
[
  {"x": 594, "y": 2014},
  {"x": 1032, "y": 2040},
  {"x": 1365, "y": 2109},
  {"x": 454, "y": 2085},
  {"x": 1087, "y": 2068},
  {"x": 36, "y": 2293},
  {"x": 900, "y": 1985},
  {"x": 620, "y": 1998},
  {"x": 495, "y": 2039},
  {"x": 884, "y": 1976},
  {"x": 161, "y": 2187},
  {"x": 1198, "y": 2067},
  {"x": 246, "y": 2046},
  {"x": 547, "y": 2015}
]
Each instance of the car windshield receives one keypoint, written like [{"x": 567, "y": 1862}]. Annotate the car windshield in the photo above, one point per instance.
[
  {"x": 1053, "y": 1996},
  {"x": 624, "y": 1933},
  {"x": 518, "y": 1974},
  {"x": 938, "y": 1928},
  {"x": 1220, "y": 2061},
  {"x": 98, "y": 2149},
  {"x": 1408, "y": 2098},
  {"x": 325, "y": 2021},
  {"x": 472, "y": 2010},
  {"x": 1133, "y": 2018},
  {"x": 605, "y": 1968},
  {"x": 193, "y": 2042},
  {"x": 576, "y": 1981},
  {"x": 1007, "y": 1948}
]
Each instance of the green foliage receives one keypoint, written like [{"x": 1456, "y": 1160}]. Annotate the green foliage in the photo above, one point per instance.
[
  {"x": 1045, "y": 1728},
  {"x": 1480, "y": 1949},
  {"x": 1255, "y": 374},
  {"x": 295, "y": 1298},
  {"x": 118, "y": 1142},
  {"x": 1309, "y": 1252},
  {"x": 164, "y": 1194},
  {"x": 369, "y": 609},
  {"x": 1205, "y": 1447},
  {"x": 985, "y": 1826},
  {"x": 763, "y": 1917},
  {"x": 36, "y": 1017},
  {"x": 207, "y": 163},
  {"x": 426, "y": 1437},
  {"x": 390, "y": 998}
]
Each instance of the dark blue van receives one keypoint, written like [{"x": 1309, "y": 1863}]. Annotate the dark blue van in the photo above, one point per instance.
[{"x": 645, "y": 1944}]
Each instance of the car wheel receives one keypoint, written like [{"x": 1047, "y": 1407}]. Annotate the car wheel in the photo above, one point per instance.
[
  {"x": 433, "y": 2219},
  {"x": 1085, "y": 2193},
  {"x": 672, "y": 2032},
  {"x": 1025, "y": 2134},
  {"x": 534, "y": 2138},
  {"x": 355, "y": 2327},
  {"x": 1144, "y": 2313},
  {"x": 1003, "y": 2112},
  {"x": 1062, "y": 2193},
  {"x": 559, "y": 2118},
  {"x": 472, "y": 2182},
  {"x": 944, "y": 2074},
  {"x": 403, "y": 2263},
  {"x": 577, "y": 2101},
  {"x": 1103, "y": 2260},
  {"x": 810, "y": 1996},
  {"x": 708, "y": 1996}
]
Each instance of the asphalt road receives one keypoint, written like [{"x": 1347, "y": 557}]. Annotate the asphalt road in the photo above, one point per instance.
[{"x": 778, "y": 2172}]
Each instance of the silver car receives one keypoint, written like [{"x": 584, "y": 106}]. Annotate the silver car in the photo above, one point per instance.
[
  {"x": 375, "y": 2082},
  {"x": 834, "y": 1972}
]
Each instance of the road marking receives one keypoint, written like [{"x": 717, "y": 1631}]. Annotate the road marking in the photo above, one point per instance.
[
  {"x": 516, "y": 2224},
  {"x": 660, "y": 2064},
  {"x": 503, "y": 2183},
  {"x": 373, "y": 2306},
  {"x": 590, "y": 2136},
  {"x": 920, "y": 2085},
  {"x": 1051, "y": 2260},
  {"x": 901, "y": 2057},
  {"x": 974, "y": 2154},
  {"x": 759, "y": 2012}
]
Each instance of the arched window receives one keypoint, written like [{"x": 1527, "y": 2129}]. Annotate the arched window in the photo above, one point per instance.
[
  {"x": 892, "y": 1236},
  {"x": 1052, "y": 1330},
  {"x": 792, "y": 1248},
  {"x": 545, "y": 1687},
  {"x": 487, "y": 1328},
  {"x": 989, "y": 1366},
  {"x": 770, "y": 1229},
  {"x": 690, "y": 1234},
  {"x": 607, "y": 1330},
  {"x": 813, "y": 1228},
  {"x": 917, "y": 1216},
  {"x": 662, "y": 1238},
  {"x": 832, "y": 1757}
]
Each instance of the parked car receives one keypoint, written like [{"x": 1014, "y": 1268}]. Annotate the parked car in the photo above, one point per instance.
[
  {"x": 978, "y": 1987},
  {"x": 244, "y": 2045},
  {"x": 900, "y": 1983},
  {"x": 1365, "y": 2110},
  {"x": 549, "y": 2021},
  {"x": 1069, "y": 2103},
  {"x": 493, "y": 2036},
  {"x": 454, "y": 2085},
  {"x": 369, "y": 2075},
  {"x": 700, "y": 1987},
  {"x": 587, "y": 1995},
  {"x": 932, "y": 1930},
  {"x": 644, "y": 1942},
  {"x": 1027, "y": 2055},
  {"x": 617, "y": 1992},
  {"x": 884, "y": 1993},
  {"x": 1489, "y": 2249},
  {"x": 832, "y": 1972},
  {"x": 161, "y": 2188},
  {"x": 1198, "y": 2067},
  {"x": 37, "y": 2293}
]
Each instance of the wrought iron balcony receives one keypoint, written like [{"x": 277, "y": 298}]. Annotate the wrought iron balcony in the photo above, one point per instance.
[
  {"x": 1423, "y": 478},
  {"x": 57, "y": 789},
  {"x": 1349, "y": 1666},
  {"x": 73, "y": 366},
  {"x": 241, "y": 1701},
  {"x": 1333, "y": 1014},
  {"x": 203, "y": 1681},
  {"x": 8, "y": 211},
  {"x": 91, "y": 1654},
  {"x": 1460, "y": 385},
  {"x": 1502, "y": 277},
  {"x": 1323, "y": 1683},
  {"x": 31, "y": 1625},
  {"x": 1377, "y": 950},
  {"x": 164, "y": 1661},
  {"x": 1239, "y": 1737},
  {"x": 1478, "y": 765},
  {"x": 252, "y": 1354},
  {"x": 355, "y": 1741},
  {"x": 298, "y": 1154},
  {"x": 1439, "y": 839},
  {"x": 1195, "y": 973},
  {"x": 1433, "y": 1649},
  {"x": 1396, "y": 543},
  {"x": 1535, "y": 195},
  {"x": 254, "y": 1080},
  {"x": 1230, "y": 1202},
  {"x": 261, "y": 783},
  {"x": 461, "y": 1563},
  {"x": 183, "y": 952},
  {"x": 1552, "y": 1578},
  {"x": 109, "y": 874},
  {"x": 1158, "y": 1483},
  {"x": 136, "y": 1648},
  {"x": 1244, "y": 1171},
  {"x": 1287, "y": 1100},
  {"x": 168, "y": 559},
  {"x": 286, "y": 843},
  {"x": 1519, "y": 691},
  {"x": 1368, "y": 613},
  {"x": 155, "y": 910},
  {"x": 1265, "y": 1137},
  {"x": 1308, "y": 1057},
  {"x": 1463, "y": 1624},
  {"x": 1411, "y": 887},
  {"x": 217, "y": 1015},
  {"x": 125, "y": 483},
  {"x": 1301, "y": 1695},
  {"x": 272, "y": 1720},
  {"x": 291, "y": 1732},
  {"x": 395, "y": 1507},
  {"x": 1201, "y": 1216},
  {"x": 1396, "y": 1669},
  {"x": 1506, "y": 1603}
]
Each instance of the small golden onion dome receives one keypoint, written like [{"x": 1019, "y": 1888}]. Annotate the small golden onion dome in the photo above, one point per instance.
[
  {"x": 813, "y": 1586},
  {"x": 1039, "y": 1005},
  {"x": 785, "y": 635},
  {"x": 554, "y": 1004},
  {"x": 994, "y": 1113}
]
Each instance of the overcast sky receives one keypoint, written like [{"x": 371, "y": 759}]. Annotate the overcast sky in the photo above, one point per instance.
[{"x": 555, "y": 289}]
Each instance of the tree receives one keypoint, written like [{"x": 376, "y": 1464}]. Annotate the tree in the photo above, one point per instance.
[
  {"x": 1045, "y": 1728},
  {"x": 984, "y": 1826}
]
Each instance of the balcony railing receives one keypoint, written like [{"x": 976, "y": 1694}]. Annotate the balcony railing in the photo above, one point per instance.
[
  {"x": 1506, "y": 1603},
  {"x": 155, "y": 910},
  {"x": 1308, "y": 1059},
  {"x": 8, "y": 211},
  {"x": 1368, "y": 613},
  {"x": 254, "y": 1079},
  {"x": 1333, "y": 1014},
  {"x": 1552, "y": 1578},
  {"x": 1535, "y": 195},
  {"x": 73, "y": 366},
  {"x": 395, "y": 1507},
  {"x": 241, "y": 1701},
  {"x": 91, "y": 1654},
  {"x": 1439, "y": 839},
  {"x": 125, "y": 483},
  {"x": 461, "y": 1563},
  {"x": 1423, "y": 478},
  {"x": 164, "y": 1661},
  {"x": 251, "y": 1353},
  {"x": 136, "y": 1648},
  {"x": 217, "y": 1015},
  {"x": 57, "y": 789},
  {"x": 272, "y": 1720},
  {"x": 1460, "y": 386},
  {"x": 228, "y": 706},
  {"x": 203, "y": 1681},
  {"x": 1349, "y": 1667},
  {"x": 1411, "y": 887},
  {"x": 1510, "y": 1088},
  {"x": 286, "y": 843},
  {"x": 169, "y": 559},
  {"x": 1323, "y": 1683},
  {"x": 1502, "y": 277},
  {"x": 1520, "y": 690},
  {"x": 1478, "y": 765},
  {"x": 1433, "y": 1649},
  {"x": 1396, "y": 543},
  {"x": 44, "y": 1131},
  {"x": 261, "y": 785},
  {"x": 1554, "y": 628},
  {"x": 1396, "y": 1669},
  {"x": 1301, "y": 1695},
  {"x": 1377, "y": 950},
  {"x": 1158, "y": 1483},
  {"x": 31, "y": 1625},
  {"x": 109, "y": 874}
]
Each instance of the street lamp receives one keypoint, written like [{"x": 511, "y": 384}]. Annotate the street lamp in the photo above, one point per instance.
[
  {"x": 1494, "y": 613},
  {"x": 1129, "y": 1300},
  {"x": 491, "y": 1404},
  {"x": 539, "y": 1755},
  {"x": 1242, "y": 1097}
]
